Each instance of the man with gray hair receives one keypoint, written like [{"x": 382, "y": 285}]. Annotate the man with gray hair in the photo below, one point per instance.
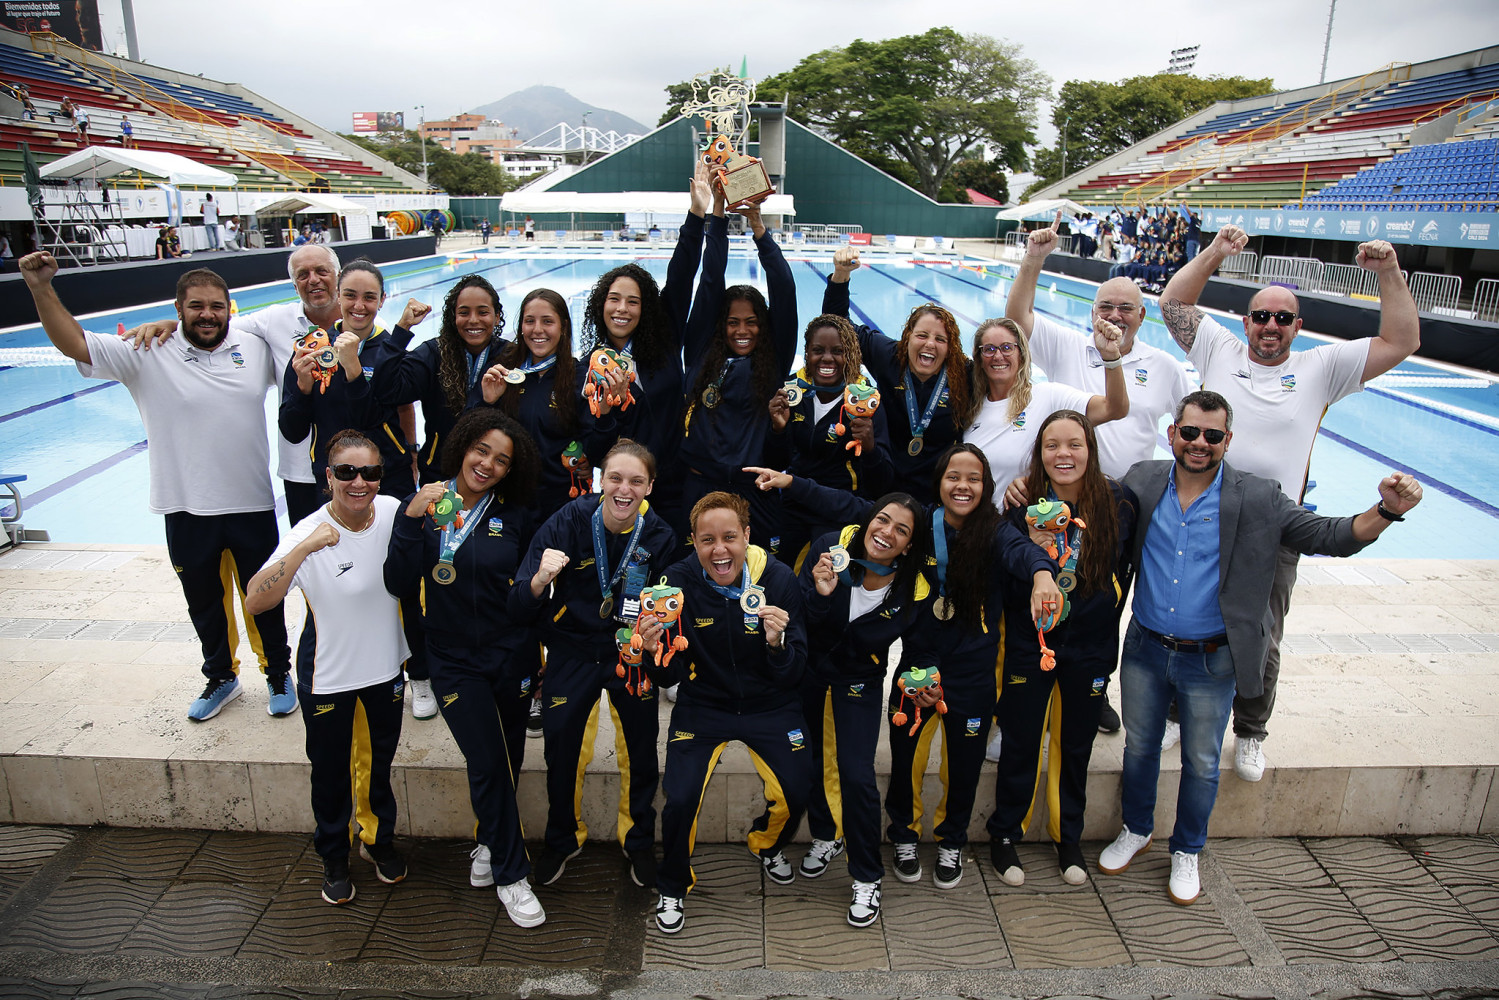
[{"x": 1280, "y": 396}]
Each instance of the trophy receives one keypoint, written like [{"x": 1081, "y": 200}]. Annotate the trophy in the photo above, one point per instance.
[{"x": 724, "y": 108}]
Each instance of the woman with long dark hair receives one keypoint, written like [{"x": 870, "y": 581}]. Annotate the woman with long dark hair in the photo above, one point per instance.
[
  {"x": 443, "y": 374},
  {"x": 537, "y": 381},
  {"x": 923, "y": 379},
  {"x": 1096, "y": 575},
  {"x": 480, "y": 657},
  {"x": 975, "y": 553},
  {"x": 811, "y": 437}
]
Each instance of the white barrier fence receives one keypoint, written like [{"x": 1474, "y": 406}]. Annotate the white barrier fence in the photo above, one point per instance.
[
  {"x": 1241, "y": 265},
  {"x": 1486, "y": 300},
  {"x": 1434, "y": 292},
  {"x": 1302, "y": 273}
]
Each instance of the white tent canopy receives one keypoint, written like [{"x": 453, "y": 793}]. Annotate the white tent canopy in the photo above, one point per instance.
[
  {"x": 664, "y": 203},
  {"x": 1040, "y": 211},
  {"x": 98, "y": 162},
  {"x": 304, "y": 201}
]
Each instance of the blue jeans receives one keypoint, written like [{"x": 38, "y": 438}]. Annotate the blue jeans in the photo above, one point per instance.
[
  {"x": 1192, "y": 247},
  {"x": 1202, "y": 684}
]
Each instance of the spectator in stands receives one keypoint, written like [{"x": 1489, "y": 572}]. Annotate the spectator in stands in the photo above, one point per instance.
[
  {"x": 127, "y": 133},
  {"x": 232, "y": 234},
  {"x": 211, "y": 221},
  {"x": 28, "y": 110},
  {"x": 80, "y": 122},
  {"x": 1280, "y": 397},
  {"x": 1205, "y": 548},
  {"x": 68, "y": 110}
]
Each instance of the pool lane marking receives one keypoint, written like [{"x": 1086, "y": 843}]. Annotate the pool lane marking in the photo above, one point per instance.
[
  {"x": 1425, "y": 480},
  {"x": 53, "y": 402},
  {"x": 88, "y": 472}
]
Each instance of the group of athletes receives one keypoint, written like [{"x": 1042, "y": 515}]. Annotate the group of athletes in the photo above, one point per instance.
[{"x": 761, "y": 539}]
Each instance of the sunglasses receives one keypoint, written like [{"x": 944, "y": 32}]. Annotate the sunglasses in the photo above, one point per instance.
[
  {"x": 1282, "y": 316},
  {"x": 989, "y": 350},
  {"x": 371, "y": 473},
  {"x": 1190, "y": 433}
]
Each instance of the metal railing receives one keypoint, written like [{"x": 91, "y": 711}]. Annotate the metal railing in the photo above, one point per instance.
[
  {"x": 1486, "y": 300},
  {"x": 1240, "y": 265},
  {"x": 1302, "y": 273},
  {"x": 1477, "y": 95},
  {"x": 1435, "y": 291},
  {"x": 1348, "y": 279}
]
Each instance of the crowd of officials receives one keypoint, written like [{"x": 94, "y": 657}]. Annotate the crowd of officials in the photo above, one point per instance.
[{"x": 810, "y": 572}]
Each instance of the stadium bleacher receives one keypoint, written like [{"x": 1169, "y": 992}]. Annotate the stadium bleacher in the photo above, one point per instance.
[{"x": 1447, "y": 176}]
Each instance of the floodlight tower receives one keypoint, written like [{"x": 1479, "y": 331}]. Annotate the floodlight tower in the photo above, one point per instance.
[
  {"x": 1327, "y": 41},
  {"x": 421, "y": 130},
  {"x": 127, "y": 10},
  {"x": 1182, "y": 60}
]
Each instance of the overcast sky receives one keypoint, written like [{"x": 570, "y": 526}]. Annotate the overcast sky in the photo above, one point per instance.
[{"x": 330, "y": 58}]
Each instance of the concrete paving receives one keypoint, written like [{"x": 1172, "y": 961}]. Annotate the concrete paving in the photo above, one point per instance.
[{"x": 194, "y": 913}]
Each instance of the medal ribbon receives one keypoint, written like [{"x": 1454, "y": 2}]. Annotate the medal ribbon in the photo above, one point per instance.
[
  {"x": 919, "y": 426},
  {"x": 600, "y": 554},
  {"x": 453, "y": 538},
  {"x": 809, "y": 386},
  {"x": 846, "y": 578},
  {"x": 939, "y": 542},
  {"x": 530, "y": 367},
  {"x": 477, "y": 364},
  {"x": 1074, "y": 540},
  {"x": 732, "y": 593},
  {"x": 723, "y": 372}
]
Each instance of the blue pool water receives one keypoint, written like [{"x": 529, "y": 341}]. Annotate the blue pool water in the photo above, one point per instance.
[{"x": 81, "y": 443}]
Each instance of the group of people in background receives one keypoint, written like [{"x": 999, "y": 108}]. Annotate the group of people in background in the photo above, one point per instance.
[
  {"x": 811, "y": 572},
  {"x": 1147, "y": 245}
]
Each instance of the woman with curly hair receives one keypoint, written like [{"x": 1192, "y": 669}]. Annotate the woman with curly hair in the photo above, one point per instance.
[
  {"x": 811, "y": 437},
  {"x": 739, "y": 348},
  {"x": 1064, "y": 467},
  {"x": 443, "y": 374},
  {"x": 923, "y": 379},
  {"x": 478, "y": 654},
  {"x": 537, "y": 381}
]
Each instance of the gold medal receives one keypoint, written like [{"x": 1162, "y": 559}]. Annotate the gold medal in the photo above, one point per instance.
[
  {"x": 515, "y": 376},
  {"x": 444, "y": 573},
  {"x": 1066, "y": 581},
  {"x": 840, "y": 558},
  {"x": 607, "y": 607},
  {"x": 794, "y": 393},
  {"x": 712, "y": 397},
  {"x": 914, "y": 448},
  {"x": 943, "y": 608},
  {"x": 752, "y": 601}
]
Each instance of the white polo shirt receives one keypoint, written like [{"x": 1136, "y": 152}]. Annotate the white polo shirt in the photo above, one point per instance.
[
  {"x": 359, "y": 637},
  {"x": 204, "y": 413},
  {"x": 1154, "y": 379},
  {"x": 1277, "y": 408},
  {"x": 281, "y": 326},
  {"x": 1006, "y": 443}
]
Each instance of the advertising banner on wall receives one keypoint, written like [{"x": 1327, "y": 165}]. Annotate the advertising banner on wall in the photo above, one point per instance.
[
  {"x": 379, "y": 121},
  {"x": 1475, "y": 230},
  {"x": 75, "y": 20}
]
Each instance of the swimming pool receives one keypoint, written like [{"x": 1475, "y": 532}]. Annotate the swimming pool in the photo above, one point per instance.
[{"x": 81, "y": 444}]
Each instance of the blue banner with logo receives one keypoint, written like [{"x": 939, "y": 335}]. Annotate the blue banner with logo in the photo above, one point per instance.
[{"x": 1478, "y": 230}]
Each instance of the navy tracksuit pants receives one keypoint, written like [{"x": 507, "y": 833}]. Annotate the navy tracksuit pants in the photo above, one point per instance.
[
  {"x": 348, "y": 732},
  {"x": 777, "y": 743},
  {"x": 843, "y": 730},
  {"x": 214, "y": 556},
  {"x": 569, "y": 723}
]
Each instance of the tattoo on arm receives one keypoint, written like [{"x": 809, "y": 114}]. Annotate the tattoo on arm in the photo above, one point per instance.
[
  {"x": 270, "y": 582},
  {"x": 1182, "y": 320}
]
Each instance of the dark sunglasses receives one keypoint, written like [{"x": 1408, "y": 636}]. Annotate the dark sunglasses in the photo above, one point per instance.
[
  {"x": 1190, "y": 433},
  {"x": 1282, "y": 316},
  {"x": 372, "y": 473}
]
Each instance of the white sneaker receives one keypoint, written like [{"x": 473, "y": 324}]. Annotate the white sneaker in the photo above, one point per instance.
[
  {"x": 991, "y": 752},
  {"x": 820, "y": 856},
  {"x": 669, "y": 916},
  {"x": 423, "y": 701},
  {"x": 1117, "y": 856},
  {"x": 480, "y": 874},
  {"x": 522, "y": 905},
  {"x": 1184, "y": 886},
  {"x": 865, "y": 909},
  {"x": 1172, "y": 736},
  {"x": 671, "y": 696},
  {"x": 1249, "y": 758}
]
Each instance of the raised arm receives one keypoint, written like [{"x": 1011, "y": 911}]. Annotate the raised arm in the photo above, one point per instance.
[
  {"x": 62, "y": 329},
  {"x": 708, "y": 302},
  {"x": 1179, "y": 301},
  {"x": 1114, "y": 403},
  {"x": 677, "y": 292},
  {"x": 1399, "y": 324},
  {"x": 782, "y": 291},
  {"x": 835, "y": 292},
  {"x": 269, "y": 587},
  {"x": 1020, "y": 306}
]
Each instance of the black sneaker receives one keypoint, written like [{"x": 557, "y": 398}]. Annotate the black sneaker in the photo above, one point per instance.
[
  {"x": 1108, "y": 719},
  {"x": 551, "y": 864},
  {"x": 643, "y": 867},
  {"x": 1006, "y": 861},
  {"x": 949, "y": 871},
  {"x": 1074, "y": 867},
  {"x": 338, "y": 888},
  {"x": 533, "y": 722},
  {"x": 390, "y": 867},
  {"x": 907, "y": 863}
]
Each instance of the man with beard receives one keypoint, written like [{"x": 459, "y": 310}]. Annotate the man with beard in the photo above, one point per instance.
[
  {"x": 1205, "y": 544},
  {"x": 1280, "y": 397},
  {"x": 202, "y": 401}
]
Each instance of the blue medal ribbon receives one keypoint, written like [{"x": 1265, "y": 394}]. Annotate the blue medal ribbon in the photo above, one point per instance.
[
  {"x": 731, "y": 593},
  {"x": 878, "y": 569},
  {"x": 939, "y": 542},
  {"x": 919, "y": 425},
  {"x": 453, "y": 538},
  {"x": 477, "y": 364},
  {"x": 600, "y": 554},
  {"x": 531, "y": 367}
]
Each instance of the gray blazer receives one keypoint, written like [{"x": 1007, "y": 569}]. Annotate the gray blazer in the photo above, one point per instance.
[{"x": 1255, "y": 520}]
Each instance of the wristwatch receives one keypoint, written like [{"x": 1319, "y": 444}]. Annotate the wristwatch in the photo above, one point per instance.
[{"x": 1386, "y": 513}]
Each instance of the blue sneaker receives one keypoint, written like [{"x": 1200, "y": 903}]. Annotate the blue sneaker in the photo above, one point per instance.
[
  {"x": 215, "y": 696},
  {"x": 283, "y": 695}
]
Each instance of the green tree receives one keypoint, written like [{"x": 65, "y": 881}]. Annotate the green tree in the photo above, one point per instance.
[
  {"x": 676, "y": 94},
  {"x": 468, "y": 174},
  {"x": 920, "y": 101},
  {"x": 1099, "y": 119},
  {"x": 984, "y": 176}
]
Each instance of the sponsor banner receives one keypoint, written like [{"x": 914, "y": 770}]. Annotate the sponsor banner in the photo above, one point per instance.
[
  {"x": 1444, "y": 229},
  {"x": 75, "y": 20},
  {"x": 379, "y": 121}
]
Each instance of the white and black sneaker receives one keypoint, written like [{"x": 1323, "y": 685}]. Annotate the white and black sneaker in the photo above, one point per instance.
[
  {"x": 949, "y": 871},
  {"x": 907, "y": 863},
  {"x": 777, "y": 868},
  {"x": 669, "y": 916},
  {"x": 865, "y": 909},
  {"x": 820, "y": 856}
]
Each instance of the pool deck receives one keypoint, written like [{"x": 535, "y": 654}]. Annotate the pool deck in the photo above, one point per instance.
[{"x": 1386, "y": 722}]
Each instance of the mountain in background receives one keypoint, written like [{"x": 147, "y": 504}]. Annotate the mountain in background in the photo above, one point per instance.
[{"x": 536, "y": 109}]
